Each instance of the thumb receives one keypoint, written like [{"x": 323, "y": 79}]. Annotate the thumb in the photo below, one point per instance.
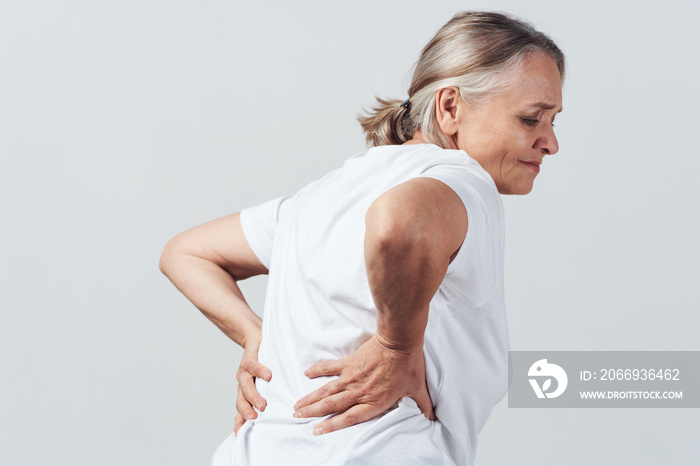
[
  {"x": 237, "y": 424},
  {"x": 422, "y": 399}
]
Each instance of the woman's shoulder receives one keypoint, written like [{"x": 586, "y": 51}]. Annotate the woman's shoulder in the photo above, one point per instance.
[
  {"x": 457, "y": 164},
  {"x": 431, "y": 155}
]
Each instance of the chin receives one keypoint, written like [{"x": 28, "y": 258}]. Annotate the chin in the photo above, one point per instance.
[
  {"x": 520, "y": 190},
  {"x": 526, "y": 189}
]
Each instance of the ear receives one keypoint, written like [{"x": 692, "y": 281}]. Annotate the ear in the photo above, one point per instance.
[{"x": 446, "y": 102}]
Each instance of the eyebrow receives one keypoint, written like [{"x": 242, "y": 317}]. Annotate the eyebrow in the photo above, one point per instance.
[{"x": 545, "y": 106}]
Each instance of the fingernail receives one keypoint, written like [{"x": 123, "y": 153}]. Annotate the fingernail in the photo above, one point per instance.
[
  {"x": 297, "y": 414},
  {"x": 249, "y": 417},
  {"x": 318, "y": 430},
  {"x": 297, "y": 406},
  {"x": 307, "y": 372},
  {"x": 261, "y": 406}
]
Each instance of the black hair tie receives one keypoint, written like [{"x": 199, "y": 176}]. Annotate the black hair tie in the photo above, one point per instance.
[{"x": 406, "y": 104}]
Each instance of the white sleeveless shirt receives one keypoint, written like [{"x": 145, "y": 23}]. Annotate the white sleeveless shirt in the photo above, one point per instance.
[{"x": 319, "y": 307}]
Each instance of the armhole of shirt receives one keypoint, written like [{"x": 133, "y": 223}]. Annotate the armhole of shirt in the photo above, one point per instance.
[{"x": 259, "y": 224}]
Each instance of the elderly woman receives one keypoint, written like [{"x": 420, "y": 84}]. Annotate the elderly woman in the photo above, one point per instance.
[{"x": 384, "y": 326}]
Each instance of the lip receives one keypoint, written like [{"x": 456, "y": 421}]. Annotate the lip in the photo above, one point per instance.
[{"x": 533, "y": 165}]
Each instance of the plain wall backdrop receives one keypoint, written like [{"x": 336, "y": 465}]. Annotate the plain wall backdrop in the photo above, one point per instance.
[{"x": 125, "y": 123}]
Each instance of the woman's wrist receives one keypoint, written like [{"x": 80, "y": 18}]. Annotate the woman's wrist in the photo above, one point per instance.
[
  {"x": 403, "y": 346},
  {"x": 252, "y": 335}
]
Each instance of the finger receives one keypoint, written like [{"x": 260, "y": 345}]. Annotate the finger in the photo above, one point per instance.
[
  {"x": 243, "y": 407},
  {"x": 326, "y": 368},
  {"x": 257, "y": 369},
  {"x": 329, "y": 405},
  {"x": 238, "y": 424},
  {"x": 251, "y": 394},
  {"x": 331, "y": 388},
  {"x": 422, "y": 399},
  {"x": 354, "y": 415}
]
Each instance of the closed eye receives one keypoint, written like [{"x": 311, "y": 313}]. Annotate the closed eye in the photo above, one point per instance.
[
  {"x": 529, "y": 121},
  {"x": 532, "y": 121}
]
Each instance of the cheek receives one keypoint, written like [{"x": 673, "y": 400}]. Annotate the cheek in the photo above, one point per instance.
[
  {"x": 521, "y": 145},
  {"x": 518, "y": 149}
]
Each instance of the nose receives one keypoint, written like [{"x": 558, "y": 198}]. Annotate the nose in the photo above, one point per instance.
[{"x": 547, "y": 142}]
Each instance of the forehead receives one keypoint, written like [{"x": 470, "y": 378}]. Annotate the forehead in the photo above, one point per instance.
[{"x": 538, "y": 85}]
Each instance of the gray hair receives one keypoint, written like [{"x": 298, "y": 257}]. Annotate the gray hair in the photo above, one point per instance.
[{"x": 481, "y": 53}]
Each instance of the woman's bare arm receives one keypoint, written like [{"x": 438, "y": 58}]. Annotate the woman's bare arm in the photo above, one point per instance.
[
  {"x": 204, "y": 263},
  {"x": 413, "y": 232}
]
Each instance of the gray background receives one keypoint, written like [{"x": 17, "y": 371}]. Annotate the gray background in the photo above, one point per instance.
[{"x": 124, "y": 123}]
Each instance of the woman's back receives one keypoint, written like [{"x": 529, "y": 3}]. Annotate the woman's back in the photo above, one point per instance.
[{"x": 319, "y": 307}]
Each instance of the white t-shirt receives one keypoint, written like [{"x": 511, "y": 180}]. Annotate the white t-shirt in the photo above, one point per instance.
[{"x": 319, "y": 307}]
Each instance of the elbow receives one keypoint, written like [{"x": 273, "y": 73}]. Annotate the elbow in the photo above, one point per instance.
[
  {"x": 163, "y": 263},
  {"x": 166, "y": 257}
]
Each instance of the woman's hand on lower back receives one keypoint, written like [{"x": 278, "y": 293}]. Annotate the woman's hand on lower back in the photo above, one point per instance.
[
  {"x": 248, "y": 395},
  {"x": 371, "y": 380}
]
